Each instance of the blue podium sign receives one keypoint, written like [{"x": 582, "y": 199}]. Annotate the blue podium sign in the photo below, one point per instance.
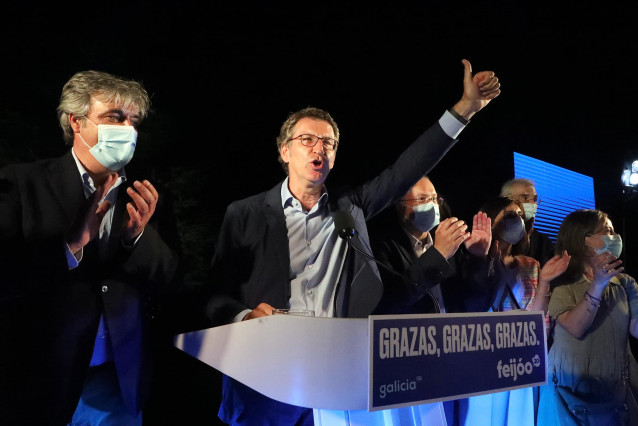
[{"x": 418, "y": 359}]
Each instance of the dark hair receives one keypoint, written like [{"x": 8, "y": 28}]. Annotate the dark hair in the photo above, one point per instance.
[
  {"x": 571, "y": 237},
  {"x": 445, "y": 211},
  {"x": 496, "y": 205}
]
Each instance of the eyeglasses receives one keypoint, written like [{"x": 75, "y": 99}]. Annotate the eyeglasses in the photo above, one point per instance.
[
  {"x": 422, "y": 200},
  {"x": 311, "y": 140},
  {"x": 528, "y": 198}
]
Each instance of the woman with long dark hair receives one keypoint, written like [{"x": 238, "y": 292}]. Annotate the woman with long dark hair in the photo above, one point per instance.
[{"x": 519, "y": 283}]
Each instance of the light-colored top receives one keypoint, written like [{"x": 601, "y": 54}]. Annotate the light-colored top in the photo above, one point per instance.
[
  {"x": 316, "y": 254},
  {"x": 524, "y": 289},
  {"x": 593, "y": 364}
]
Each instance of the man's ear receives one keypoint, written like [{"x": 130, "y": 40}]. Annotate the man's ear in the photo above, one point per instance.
[
  {"x": 76, "y": 122},
  {"x": 284, "y": 151}
]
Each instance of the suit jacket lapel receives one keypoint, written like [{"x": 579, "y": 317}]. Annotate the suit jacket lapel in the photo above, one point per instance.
[
  {"x": 277, "y": 231},
  {"x": 66, "y": 185},
  {"x": 406, "y": 250}
]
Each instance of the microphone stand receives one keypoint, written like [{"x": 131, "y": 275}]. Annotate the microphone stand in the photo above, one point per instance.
[{"x": 347, "y": 234}]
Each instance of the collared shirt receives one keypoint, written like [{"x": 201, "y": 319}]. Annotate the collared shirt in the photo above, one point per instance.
[
  {"x": 420, "y": 246},
  {"x": 316, "y": 254},
  {"x": 105, "y": 227}
]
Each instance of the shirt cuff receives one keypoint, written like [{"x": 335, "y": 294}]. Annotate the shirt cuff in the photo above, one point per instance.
[
  {"x": 130, "y": 246},
  {"x": 451, "y": 125},
  {"x": 240, "y": 316}
]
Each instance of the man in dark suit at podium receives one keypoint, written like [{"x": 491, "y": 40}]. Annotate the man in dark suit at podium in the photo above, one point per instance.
[{"x": 281, "y": 248}]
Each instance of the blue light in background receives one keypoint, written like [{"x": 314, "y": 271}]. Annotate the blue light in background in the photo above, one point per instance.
[{"x": 560, "y": 190}]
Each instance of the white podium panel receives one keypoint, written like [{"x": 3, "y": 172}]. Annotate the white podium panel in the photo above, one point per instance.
[
  {"x": 305, "y": 361},
  {"x": 377, "y": 363}
]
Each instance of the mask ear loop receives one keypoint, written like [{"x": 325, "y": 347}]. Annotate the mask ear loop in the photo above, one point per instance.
[
  {"x": 603, "y": 248},
  {"x": 80, "y": 134},
  {"x": 90, "y": 121},
  {"x": 84, "y": 142}
]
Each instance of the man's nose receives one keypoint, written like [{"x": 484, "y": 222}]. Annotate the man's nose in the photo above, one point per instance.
[{"x": 318, "y": 148}]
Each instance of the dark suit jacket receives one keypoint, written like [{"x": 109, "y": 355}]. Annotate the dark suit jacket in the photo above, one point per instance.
[
  {"x": 252, "y": 261},
  {"x": 536, "y": 245},
  {"x": 540, "y": 247},
  {"x": 455, "y": 278},
  {"x": 49, "y": 314}
]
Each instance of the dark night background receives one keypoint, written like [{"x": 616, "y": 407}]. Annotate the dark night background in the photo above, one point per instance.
[{"x": 223, "y": 76}]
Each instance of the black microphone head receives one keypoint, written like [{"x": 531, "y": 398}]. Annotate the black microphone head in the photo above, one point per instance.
[{"x": 344, "y": 224}]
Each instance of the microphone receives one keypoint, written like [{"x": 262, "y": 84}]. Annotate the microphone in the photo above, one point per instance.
[{"x": 344, "y": 224}]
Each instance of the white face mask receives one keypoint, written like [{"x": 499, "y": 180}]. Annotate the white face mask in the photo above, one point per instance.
[
  {"x": 512, "y": 229},
  {"x": 612, "y": 244},
  {"x": 115, "y": 145},
  {"x": 425, "y": 216},
  {"x": 530, "y": 210}
]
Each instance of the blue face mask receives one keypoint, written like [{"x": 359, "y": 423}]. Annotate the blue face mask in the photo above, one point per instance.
[
  {"x": 613, "y": 245},
  {"x": 115, "y": 145},
  {"x": 425, "y": 216},
  {"x": 513, "y": 229}
]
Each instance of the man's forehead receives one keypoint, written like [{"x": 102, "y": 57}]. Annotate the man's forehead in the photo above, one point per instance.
[
  {"x": 307, "y": 123},
  {"x": 101, "y": 106},
  {"x": 424, "y": 187},
  {"x": 521, "y": 188}
]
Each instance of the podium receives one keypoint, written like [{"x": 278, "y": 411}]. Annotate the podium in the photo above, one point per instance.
[
  {"x": 304, "y": 361},
  {"x": 380, "y": 362}
]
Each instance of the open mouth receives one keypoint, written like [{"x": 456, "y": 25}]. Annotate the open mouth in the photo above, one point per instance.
[{"x": 317, "y": 163}]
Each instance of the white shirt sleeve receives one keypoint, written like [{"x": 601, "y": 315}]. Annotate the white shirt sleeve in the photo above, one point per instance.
[
  {"x": 240, "y": 316},
  {"x": 451, "y": 126}
]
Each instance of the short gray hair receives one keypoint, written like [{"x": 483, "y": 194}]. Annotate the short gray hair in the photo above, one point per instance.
[
  {"x": 506, "y": 189},
  {"x": 78, "y": 92}
]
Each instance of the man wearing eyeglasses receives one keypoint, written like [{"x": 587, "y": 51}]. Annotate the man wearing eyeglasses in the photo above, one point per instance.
[
  {"x": 280, "y": 248},
  {"x": 415, "y": 239},
  {"x": 537, "y": 245}
]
